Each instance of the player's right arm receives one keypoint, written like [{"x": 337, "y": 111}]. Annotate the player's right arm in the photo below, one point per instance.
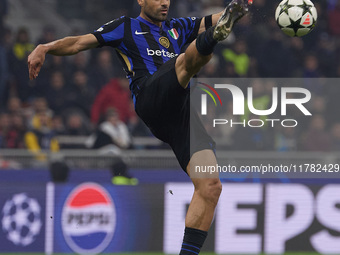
[{"x": 64, "y": 47}]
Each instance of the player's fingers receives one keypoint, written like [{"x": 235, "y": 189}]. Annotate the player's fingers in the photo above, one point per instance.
[
  {"x": 37, "y": 70},
  {"x": 33, "y": 70},
  {"x": 30, "y": 70}
]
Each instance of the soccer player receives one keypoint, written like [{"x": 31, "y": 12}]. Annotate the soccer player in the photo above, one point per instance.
[{"x": 150, "y": 48}]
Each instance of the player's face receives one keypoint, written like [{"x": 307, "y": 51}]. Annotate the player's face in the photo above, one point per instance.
[{"x": 156, "y": 10}]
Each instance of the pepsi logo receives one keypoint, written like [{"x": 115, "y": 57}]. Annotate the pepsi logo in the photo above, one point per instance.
[{"x": 88, "y": 219}]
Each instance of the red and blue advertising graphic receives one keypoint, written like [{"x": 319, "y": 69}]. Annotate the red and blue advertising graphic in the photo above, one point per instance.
[
  {"x": 88, "y": 219},
  {"x": 22, "y": 216},
  {"x": 92, "y": 218}
]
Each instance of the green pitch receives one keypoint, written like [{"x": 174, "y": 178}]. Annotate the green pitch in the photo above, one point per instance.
[{"x": 153, "y": 253}]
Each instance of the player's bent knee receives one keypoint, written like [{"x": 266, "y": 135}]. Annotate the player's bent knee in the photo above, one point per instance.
[
  {"x": 194, "y": 65},
  {"x": 181, "y": 72},
  {"x": 187, "y": 67}
]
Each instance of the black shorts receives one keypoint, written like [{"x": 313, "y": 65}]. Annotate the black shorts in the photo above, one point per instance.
[{"x": 164, "y": 105}]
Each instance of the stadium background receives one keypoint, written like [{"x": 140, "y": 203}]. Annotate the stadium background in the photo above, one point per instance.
[{"x": 256, "y": 215}]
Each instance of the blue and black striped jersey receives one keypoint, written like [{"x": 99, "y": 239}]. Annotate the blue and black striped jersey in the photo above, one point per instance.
[{"x": 142, "y": 46}]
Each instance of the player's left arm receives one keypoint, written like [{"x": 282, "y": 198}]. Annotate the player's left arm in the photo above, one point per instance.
[{"x": 209, "y": 21}]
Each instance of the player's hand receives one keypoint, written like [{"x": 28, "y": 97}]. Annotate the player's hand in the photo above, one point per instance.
[{"x": 35, "y": 61}]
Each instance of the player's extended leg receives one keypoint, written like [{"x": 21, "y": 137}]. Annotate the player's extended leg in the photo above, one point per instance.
[
  {"x": 199, "y": 51},
  {"x": 207, "y": 188}
]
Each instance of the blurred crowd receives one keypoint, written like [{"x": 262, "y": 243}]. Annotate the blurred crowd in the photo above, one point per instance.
[{"x": 73, "y": 95}]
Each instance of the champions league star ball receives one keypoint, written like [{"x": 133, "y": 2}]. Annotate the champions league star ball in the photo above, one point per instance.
[
  {"x": 21, "y": 221},
  {"x": 296, "y": 17}
]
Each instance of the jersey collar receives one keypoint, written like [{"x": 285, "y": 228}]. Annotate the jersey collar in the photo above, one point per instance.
[{"x": 151, "y": 25}]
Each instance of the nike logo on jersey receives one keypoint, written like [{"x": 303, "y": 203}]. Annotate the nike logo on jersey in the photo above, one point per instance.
[{"x": 140, "y": 33}]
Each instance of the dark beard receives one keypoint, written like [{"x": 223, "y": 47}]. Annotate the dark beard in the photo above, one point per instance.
[{"x": 155, "y": 19}]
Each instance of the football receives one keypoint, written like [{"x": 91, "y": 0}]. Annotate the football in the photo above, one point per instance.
[{"x": 296, "y": 17}]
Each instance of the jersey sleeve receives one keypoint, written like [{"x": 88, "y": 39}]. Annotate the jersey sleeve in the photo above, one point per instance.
[
  {"x": 190, "y": 27},
  {"x": 111, "y": 33}
]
